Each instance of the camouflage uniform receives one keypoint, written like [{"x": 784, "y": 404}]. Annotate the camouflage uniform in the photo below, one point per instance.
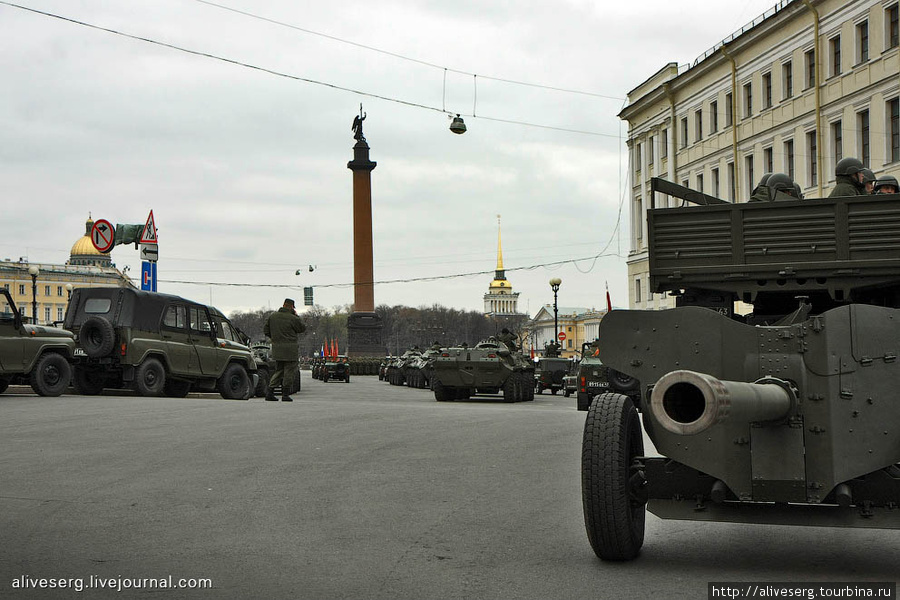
[
  {"x": 846, "y": 186},
  {"x": 508, "y": 338},
  {"x": 283, "y": 327}
]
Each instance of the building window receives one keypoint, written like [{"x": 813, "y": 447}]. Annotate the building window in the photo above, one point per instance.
[
  {"x": 698, "y": 125},
  {"x": 837, "y": 140},
  {"x": 787, "y": 80},
  {"x": 46, "y": 314},
  {"x": 748, "y": 169},
  {"x": 46, "y": 290},
  {"x": 729, "y": 110},
  {"x": 713, "y": 116},
  {"x": 789, "y": 158},
  {"x": 664, "y": 143},
  {"x": 684, "y": 132},
  {"x": 768, "y": 161},
  {"x": 748, "y": 100},
  {"x": 715, "y": 182},
  {"x": 731, "y": 182},
  {"x": 637, "y": 290},
  {"x": 891, "y": 28},
  {"x": 811, "y": 153},
  {"x": 637, "y": 158},
  {"x": 835, "y": 46},
  {"x": 700, "y": 182},
  {"x": 650, "y": 152},
  {"x": 60, "y": 313},
  {"x": 638, "y": 221},
  {"x": 767, "y": 90},
  {"x": 21, "y": 289},
  {"x": 862, "y": 122},
  {"x": 810, "y": 59},
  {"x": 862, "y": 42},
  {"x": 59, "y": 291},
  {"x": 894, "y": 116}
]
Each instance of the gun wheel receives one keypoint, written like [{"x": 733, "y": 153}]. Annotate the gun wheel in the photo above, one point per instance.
[{"x": 614, "y": 510}]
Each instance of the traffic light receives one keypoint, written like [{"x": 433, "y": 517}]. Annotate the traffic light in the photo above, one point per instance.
[{"x": 307, "y": 296}]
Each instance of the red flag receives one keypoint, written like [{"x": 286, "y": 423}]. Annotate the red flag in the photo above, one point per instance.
[
  {"x": 608, "y": 301},
  {"x": 532, "y": 352},
  {"x": 336, "y": 353},
  {"x": 333, "y": 349}
]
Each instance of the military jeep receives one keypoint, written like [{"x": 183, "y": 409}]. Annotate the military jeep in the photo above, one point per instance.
[
  {"x": 157, "y": 344},
  {"x": 32, "y": 354},
  {"x": 337, "y": 369}
]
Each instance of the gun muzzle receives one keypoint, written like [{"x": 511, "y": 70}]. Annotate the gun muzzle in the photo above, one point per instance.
[{"x": 687, "y": 402}]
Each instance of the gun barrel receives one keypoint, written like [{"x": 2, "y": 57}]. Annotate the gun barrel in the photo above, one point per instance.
[{"x": 687, "y": 402}]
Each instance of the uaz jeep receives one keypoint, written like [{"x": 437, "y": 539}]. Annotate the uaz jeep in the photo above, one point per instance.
[
  {"x": 33, "y": 354},
  {"x": 158, "y": 344}
]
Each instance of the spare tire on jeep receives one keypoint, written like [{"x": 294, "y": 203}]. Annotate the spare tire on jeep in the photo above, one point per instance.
[{"x": 97, "y": 337}]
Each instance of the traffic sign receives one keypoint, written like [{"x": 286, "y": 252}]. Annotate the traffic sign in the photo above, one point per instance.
[
  {"x": 150, "y": 252},
  {"x": 149, "y": 234},
  {"x": 561, "y": 336},
  {"x": 103, "y": 236},
  {"x": 148, "y": 276}
]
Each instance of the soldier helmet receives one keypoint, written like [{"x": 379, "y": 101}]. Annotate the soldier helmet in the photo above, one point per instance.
[
  {"x": 798, "y": 193},
  {"x": 848, "y": 166},
  {"x": 764, "y": 179},
  {"x": 868, "y": 176},
  {"x": 887, "y": 180},
  {"x": 779, "y": 182}
]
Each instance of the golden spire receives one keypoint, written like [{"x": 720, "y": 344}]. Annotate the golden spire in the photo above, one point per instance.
[{"x": 499, "y": 247}]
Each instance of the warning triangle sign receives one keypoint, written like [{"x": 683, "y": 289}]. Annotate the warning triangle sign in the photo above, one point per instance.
[{"x": 149, "y": 234}]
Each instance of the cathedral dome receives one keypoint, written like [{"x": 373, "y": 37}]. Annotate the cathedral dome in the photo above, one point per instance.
[{"x": 83, "y": 251}]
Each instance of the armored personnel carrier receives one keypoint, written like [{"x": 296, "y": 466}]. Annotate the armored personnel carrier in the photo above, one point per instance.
[
  {"x": 489, "y": 366},
  {"x": 419, "y": 372},
  {"x": 787, "y": 415}
]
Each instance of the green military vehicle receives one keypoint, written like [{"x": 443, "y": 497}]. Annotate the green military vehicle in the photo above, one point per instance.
[
  {"x": 787, "y": 415},
  {"x": 33, "y": 354},
  {"x": 157, "y": 344},
  {"x": 549, "y": 374},
  {"x": 592, "y": 377},
  {"x": 336, "y": 369},
  {"x": 489, "y": 367},
  {"x": 419, "y": 372}
]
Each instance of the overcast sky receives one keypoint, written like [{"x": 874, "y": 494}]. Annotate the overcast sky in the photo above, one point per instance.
[{"x": 246, "y": 171}]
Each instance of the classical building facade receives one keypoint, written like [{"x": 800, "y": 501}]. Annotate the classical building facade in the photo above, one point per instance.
[
  {"x": 803, "y": 85},
  {"x": 51, "y": 288},
  {"x": 500, "y": 300},
  {"x": 579, "y": 324}
]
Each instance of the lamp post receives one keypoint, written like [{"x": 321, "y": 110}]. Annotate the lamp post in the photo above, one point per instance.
[
  {"x": 69, "y": 288},
  {"x": 554, "y": 285},
  {"x": 34, "y": 272}
]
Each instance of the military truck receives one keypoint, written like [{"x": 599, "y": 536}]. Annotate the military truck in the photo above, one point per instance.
[
  {"x": 786, "y": 415},
  {"x": 549, "y": 373},
  {"x": 488, "y": 367},
  {"x": 592, "y": 377},
  {"x": 157, "y": 344},
  {"x": 33, "y": 354}
]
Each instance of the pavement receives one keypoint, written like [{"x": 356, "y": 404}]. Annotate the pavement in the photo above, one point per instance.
[{"x": 355, "y": 490}]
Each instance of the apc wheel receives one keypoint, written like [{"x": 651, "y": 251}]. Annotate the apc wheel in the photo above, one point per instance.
[
  {"x": 88, "y": 382},
  {"x": 234, "y": 384},
  {"x": 511, "y": 389},
  {"x": 51, "y": 374},
  {"x": 527, "y": 378},
  {"x": 177, "y": 388},
  {"x": 97, "y": 337},
  {"x": 3, "y": 385},
  {"x": 262, "y": 386},
  {"x": 441, "y": 393},
  {"x": 614, "y": 509},
  {"x": 150, "y": 378}
]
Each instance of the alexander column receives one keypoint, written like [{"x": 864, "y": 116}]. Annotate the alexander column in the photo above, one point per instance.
[{"x": 363, "y": 325}]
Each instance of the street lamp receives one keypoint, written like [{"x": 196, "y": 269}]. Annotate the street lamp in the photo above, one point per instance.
[
  {"x": 554, "y": 285},
  {"x": 69, "y": 288},
  {"x": 34, "y": 272}
]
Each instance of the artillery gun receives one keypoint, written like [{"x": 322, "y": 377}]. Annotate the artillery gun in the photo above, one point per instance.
[
  {"x": 787, "y": 415},
  {"x": 489, "y": 367}
]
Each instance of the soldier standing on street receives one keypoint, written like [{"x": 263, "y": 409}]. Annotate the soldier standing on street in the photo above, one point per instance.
[
  {"x": 284, "y": 327},
  {"x": 848, "y": 176}
]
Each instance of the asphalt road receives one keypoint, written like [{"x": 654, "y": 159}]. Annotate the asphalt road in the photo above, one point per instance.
[{"x": 359, "y": 490}]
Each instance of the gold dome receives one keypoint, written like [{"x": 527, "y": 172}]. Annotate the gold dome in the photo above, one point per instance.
[{"x": 84, "y": 248}]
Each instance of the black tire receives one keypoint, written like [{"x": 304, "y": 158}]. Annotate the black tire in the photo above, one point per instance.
[
  {"x": 177, "y": 388},
  {"x": 3, "y": 385},
  {"x": 621, "y": 382},
  {"x": 527, "y": 381},
  {"x": 262, "y": 386},
  {"x": 583, "y": 401},
  {"x": 553, "y": 391},
  {"x": 51, "y": 374},
  {"x": 441, "y": 393},
  {"x": 88, "y": 382},
  {"x": 511, "y": 389},
  {"x": 234, "y": 384},
  {"x": 97, "y": 337},
  {"x": 614, "y": 512},
  {"x": 150, "y": 378}
]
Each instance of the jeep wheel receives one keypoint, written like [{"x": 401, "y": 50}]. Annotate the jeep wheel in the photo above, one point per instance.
[
  {"x": 234, "y": 384},
  {"x": 51, "y": 374},
  {"x": 97, "y": 337},
  {"x": 177, "y": 388},
  {"x": 150, "y": 378},
  {"x": 88, "y": 382},
  {"x": 3, "y": 385},
  {"x": 612, "y": 485},
  {"x": 262, "y": 386}
]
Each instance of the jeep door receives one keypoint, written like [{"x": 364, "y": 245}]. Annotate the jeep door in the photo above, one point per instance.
[
  {"x": 205, "y": 358},
  {"x": 11, "y": 346},
  {"x": 177, "y": 338}
]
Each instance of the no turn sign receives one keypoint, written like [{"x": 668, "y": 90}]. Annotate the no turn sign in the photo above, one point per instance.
[{"x": 103, "y": 236}]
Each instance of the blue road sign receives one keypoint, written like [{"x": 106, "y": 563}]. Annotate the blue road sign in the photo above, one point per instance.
[{"x": 148, "y": 276}]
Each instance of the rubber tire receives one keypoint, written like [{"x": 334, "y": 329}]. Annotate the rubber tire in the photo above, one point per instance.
[
  {"x": 88, "y": 382},
  {"x": 3, "y": 385},
  {"x": 262, "y": 386},
  {"x": 511, "y": 389},
  {"x": 553, "y": 391},
  {"x": 150, "y": 378},
  {"x": 441, "y": 393},
  {"x": 234, "y": 384},
  {"x": 51, "y": 374},
  {"x": 97, "y": 337},
  {"x": 567, "y": 392},
  {"x": 177, "y": 388},
  {"x": 527, "y": 379},
  {"x": 621, "y": 382},
  {"x": 612, "y": 439}
]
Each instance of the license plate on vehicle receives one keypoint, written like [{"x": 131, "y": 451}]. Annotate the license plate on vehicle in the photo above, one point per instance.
[
  {"x": 79, "y": 352},
  {"x": 597, "y": 384}
]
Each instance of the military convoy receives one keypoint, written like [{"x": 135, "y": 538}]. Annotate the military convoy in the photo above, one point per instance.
[
  {"x": 489, "y": 367},
  {"x": 787, "y": 415},
  {"x": 33, "y": 354}
]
